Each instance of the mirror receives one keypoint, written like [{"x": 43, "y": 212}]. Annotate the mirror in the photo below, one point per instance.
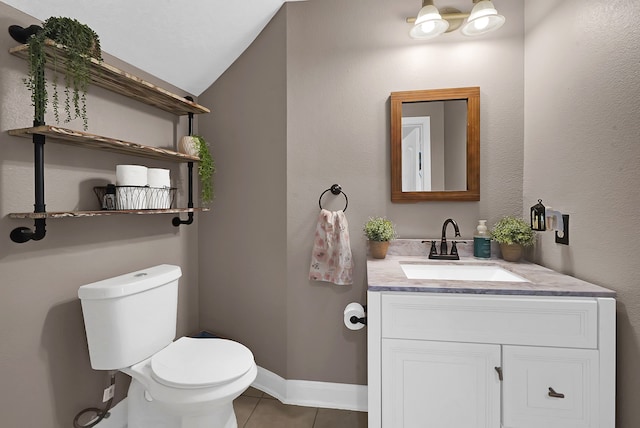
[{"x": 435, "y": 145}]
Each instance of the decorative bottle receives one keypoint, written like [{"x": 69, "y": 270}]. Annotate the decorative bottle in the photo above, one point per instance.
[
  {"x": 482, "y": 241},
  {"x": 109, "y": 198}
]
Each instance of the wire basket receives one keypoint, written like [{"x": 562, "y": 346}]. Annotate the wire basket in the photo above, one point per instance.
[{"x": 135, "y": 197}]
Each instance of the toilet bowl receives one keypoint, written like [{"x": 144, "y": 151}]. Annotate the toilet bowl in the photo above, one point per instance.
[{"x": 189, "y": 383}]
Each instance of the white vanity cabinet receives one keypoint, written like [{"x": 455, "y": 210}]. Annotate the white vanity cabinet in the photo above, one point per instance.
[{"x": 464, "y": 360}]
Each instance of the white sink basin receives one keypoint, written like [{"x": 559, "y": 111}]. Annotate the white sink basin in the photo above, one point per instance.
[{"x": 459, "y": 272}]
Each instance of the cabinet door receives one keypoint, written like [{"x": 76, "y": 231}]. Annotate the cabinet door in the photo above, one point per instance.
[
  {"x": 550, "y": 387},
  {"x": 439, "y": 384}
]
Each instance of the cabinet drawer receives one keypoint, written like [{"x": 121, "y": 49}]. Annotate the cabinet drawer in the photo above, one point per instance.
[
  {"x": 550, "y": 387},
  {"x": 562, "y": 322}
]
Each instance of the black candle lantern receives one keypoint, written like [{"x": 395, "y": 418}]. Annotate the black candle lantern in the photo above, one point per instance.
[{"x": 538, "y": 216}]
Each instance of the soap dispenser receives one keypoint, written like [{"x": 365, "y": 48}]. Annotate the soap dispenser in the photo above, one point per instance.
[{"x": 482, "y": 241}]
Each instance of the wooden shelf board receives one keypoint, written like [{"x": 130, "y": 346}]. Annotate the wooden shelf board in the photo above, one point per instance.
[
  {"x": 91, "y": 141},
  {"x": 121, "y": 82},
  {"x": 78, "y": 214}
]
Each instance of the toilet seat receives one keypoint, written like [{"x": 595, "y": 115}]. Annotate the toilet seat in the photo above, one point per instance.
[{"x": 199, "y": 363}]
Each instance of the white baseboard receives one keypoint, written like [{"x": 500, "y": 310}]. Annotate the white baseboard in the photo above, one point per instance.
[
  {"x": 312, "y": 394},
  {"x": 297, "y": 392}
]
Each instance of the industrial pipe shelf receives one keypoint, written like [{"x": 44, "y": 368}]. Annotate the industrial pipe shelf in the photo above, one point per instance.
[
  {"x": 59, "y": 135},
  {"x": 99, "y": 213},
  {"x": 115, "y": 80}
]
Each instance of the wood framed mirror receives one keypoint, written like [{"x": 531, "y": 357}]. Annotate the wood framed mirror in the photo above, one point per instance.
[{"x": 435, "y": 145}]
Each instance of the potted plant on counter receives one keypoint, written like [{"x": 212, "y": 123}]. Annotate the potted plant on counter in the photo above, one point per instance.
[
  {"x": 379, "y": 231},
  {"x": 513, "y": 234}
]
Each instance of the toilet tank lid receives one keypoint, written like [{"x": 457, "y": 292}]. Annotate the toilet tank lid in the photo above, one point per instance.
[{"x": 130, "y": 283}]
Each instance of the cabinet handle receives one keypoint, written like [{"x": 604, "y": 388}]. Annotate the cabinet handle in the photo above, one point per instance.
[
  {"x": 499, "y": 370},
  {"x": 554, "y": 394}
]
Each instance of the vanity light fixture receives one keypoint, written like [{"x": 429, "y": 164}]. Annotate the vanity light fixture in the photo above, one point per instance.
[
  {"x": 429, "y": 23},
  {"x": 484, "y": 18},
  {"x": 432, "y": 22}
]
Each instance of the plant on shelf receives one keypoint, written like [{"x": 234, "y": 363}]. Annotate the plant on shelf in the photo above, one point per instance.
[
  {"x": 195, "y": 145},
  {"x": 513, "y": 234},
  {"x": 80, "y": 44},
  {"x": 379, "y": 231}
]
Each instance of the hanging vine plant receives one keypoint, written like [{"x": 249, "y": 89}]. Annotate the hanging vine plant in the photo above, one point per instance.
[
  {"x": 206, "y": 168},
  {"x": 80, "y": 43}
]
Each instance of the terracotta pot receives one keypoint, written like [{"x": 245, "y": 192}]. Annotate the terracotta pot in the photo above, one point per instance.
[
  {"x": 378, "y": 249},
  {"x": 511, "y": 252}
]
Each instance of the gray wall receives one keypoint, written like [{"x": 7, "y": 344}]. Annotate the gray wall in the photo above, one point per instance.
[
  {"x": 44, "y": 362},
  {"x": 280, "y": 143},
  {"x": 243, "y": 245},
  {"x": 582, "y": 154}
]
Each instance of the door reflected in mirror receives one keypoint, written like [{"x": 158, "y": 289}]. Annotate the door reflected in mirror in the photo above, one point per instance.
[{"x": 435, "y": 145}]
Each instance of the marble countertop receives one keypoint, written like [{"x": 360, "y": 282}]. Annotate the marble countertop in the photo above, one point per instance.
[{"x": 387, "y": 275}]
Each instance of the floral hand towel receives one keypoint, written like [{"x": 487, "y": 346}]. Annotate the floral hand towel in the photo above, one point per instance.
[{"x": 331, "y": 259}]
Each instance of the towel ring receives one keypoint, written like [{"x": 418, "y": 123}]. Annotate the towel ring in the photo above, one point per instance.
[{"x": 336, "y": 190}]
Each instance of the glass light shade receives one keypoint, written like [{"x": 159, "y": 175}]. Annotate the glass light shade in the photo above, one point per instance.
[
  {"x": 429, "y": 24},
  {"x": 483, "y": 19}
]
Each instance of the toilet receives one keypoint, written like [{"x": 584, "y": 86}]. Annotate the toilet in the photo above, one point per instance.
[{"x": 130, "y": 321}]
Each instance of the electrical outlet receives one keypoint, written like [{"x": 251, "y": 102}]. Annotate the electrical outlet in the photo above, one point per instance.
[{"x": 565, "y": 238}]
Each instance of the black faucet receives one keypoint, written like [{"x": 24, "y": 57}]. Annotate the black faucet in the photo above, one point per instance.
[
  {"x": 433, "y": 254},
  {"x": 443, "y": 242}
]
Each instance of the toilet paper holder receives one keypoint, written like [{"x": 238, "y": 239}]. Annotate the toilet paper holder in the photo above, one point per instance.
[
  {"x": 362, "y": 320},
  {"x": 355, "y": 320}
]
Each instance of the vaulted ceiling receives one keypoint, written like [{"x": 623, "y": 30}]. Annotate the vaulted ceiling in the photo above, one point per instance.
[{"x": 188, "y": 43}]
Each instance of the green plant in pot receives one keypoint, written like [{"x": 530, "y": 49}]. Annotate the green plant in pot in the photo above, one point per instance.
[
  {"x": 195, "y": 145},
  {"x": 80, "y": 44},
  {"x": 379, "y": 231},
  {"x": 513, "y": 234}
]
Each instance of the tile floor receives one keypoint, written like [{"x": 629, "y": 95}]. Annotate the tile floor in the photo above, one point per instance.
[{"x": 255, "y": 409}]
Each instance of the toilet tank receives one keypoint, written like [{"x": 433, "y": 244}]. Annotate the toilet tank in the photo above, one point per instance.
[{"x": 130, "y": 317}]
